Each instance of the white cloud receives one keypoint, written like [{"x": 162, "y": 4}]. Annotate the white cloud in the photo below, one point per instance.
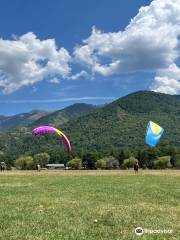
[
  {"x": 167, "y": 80},
  {"x": 27, "y": 60},
  {"x": 56, "y": 100},
  {"x": 54, "y": 80},
  {"x": 149, "y": 43},
  {"x": 82, "y": 74}
]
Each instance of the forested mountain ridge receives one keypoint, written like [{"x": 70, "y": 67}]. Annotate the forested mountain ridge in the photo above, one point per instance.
[
  {"x": 21, "y": 120},
  {"x": 63, "y": 116},
  {"x": 123, "y": 122},
  {"x": 120, "y": 124},
  {"x": 40, "y": 117}
]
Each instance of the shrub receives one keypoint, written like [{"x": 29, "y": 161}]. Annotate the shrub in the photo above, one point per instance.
[
  {"x": 89, "y": 161},
  {"x": 75, "y": 163},
  {"x": 111, "y": 162},
  {"x": 123, "y": 154},
  {"x": 177, "y": 161},
  {"x": 24, "y": 163},
  {"x": 42, "y": 159},
  {"x": 129, "y": 163},
  {"x": 107, "y": 163},
  {"x": 162, "y": 162},
  {"x": 101, "y": 164}
]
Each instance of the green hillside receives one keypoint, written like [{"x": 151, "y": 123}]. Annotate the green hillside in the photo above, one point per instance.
[
  {"x": 120, "y": 124},
  {"x": 63, "y": 116},
  {"x": 123, "y": 122},
  {"x": 21, "y": 120},
  {"x": 39, "y": 117}
]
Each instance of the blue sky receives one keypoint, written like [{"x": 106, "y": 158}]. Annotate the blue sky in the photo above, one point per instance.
[{"x": 90, "y": 71}]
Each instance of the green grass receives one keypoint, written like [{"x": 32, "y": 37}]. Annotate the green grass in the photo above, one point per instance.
[{"x": 50, "y": 207}]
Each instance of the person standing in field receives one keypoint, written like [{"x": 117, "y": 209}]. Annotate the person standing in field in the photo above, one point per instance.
[
  {"x": 38, "y": 167},
  {"x": 136, "y": 167}
]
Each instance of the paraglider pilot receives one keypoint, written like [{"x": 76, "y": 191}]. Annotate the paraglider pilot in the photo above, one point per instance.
[{"x": 136, "y": 167}]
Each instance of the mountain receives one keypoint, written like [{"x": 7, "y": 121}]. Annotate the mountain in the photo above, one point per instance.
[
  {"x": 61, "y": 117},
  {"x": 123, "y": 122},
  {"x": 40, "y": 117},
  {"x": 20, "y": 120},
  {"x": 120, "y": 124}
]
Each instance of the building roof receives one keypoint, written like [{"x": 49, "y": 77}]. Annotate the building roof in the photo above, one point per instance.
[{"x": 55, "y": 165}]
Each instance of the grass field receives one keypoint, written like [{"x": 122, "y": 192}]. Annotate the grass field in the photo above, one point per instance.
[{"x": 88, "y": 205}]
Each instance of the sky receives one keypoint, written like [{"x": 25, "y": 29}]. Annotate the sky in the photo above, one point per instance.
[{"x": 60, "y": 52}]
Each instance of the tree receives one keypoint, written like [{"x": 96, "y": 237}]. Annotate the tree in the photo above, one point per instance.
[
  {"x": 57, "y": 155},
  {"x": 89, "y": 161},
  {"x": 177, "y": 161},
  {"x": 145, "y": 159},
  {"x": 140, "y": 157},
  {"x": 172, "y": 151},
  {"x": 162, "y": 162},
  {"x": 124, "y": 154},
  {"x": 8, "y": 159},
  {"x": 24, "y": 163},
  {"x": 75, "y": 163},
  {"x": 111, "y": 162},
  {"x": 101, "y": 164},
  {"x": 129, "y": 163},
  {"x": 42, "y": 159}
]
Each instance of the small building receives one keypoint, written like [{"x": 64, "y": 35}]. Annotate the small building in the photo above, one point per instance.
[{"x": 55, "y": 166}]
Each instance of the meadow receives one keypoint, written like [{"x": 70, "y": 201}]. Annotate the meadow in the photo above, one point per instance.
[{"x": 89, "y": 205}]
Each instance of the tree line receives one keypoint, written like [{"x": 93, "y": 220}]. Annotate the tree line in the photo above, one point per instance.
[{"x": 161, "y": 157}]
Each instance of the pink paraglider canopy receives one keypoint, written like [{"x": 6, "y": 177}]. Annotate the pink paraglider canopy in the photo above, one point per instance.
[{"x": 51, "y": 130}]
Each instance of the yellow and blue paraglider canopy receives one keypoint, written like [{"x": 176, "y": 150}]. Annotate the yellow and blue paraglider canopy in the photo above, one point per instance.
[{"x": 153, "y": 133}]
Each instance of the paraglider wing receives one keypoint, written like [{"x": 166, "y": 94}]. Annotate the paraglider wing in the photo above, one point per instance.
[
  {"x": 64, "y": 139},
  {"x": 51, "y": 130},
  {"x": 153, "y": 134},
  {"x": 42, "y": 130}
]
